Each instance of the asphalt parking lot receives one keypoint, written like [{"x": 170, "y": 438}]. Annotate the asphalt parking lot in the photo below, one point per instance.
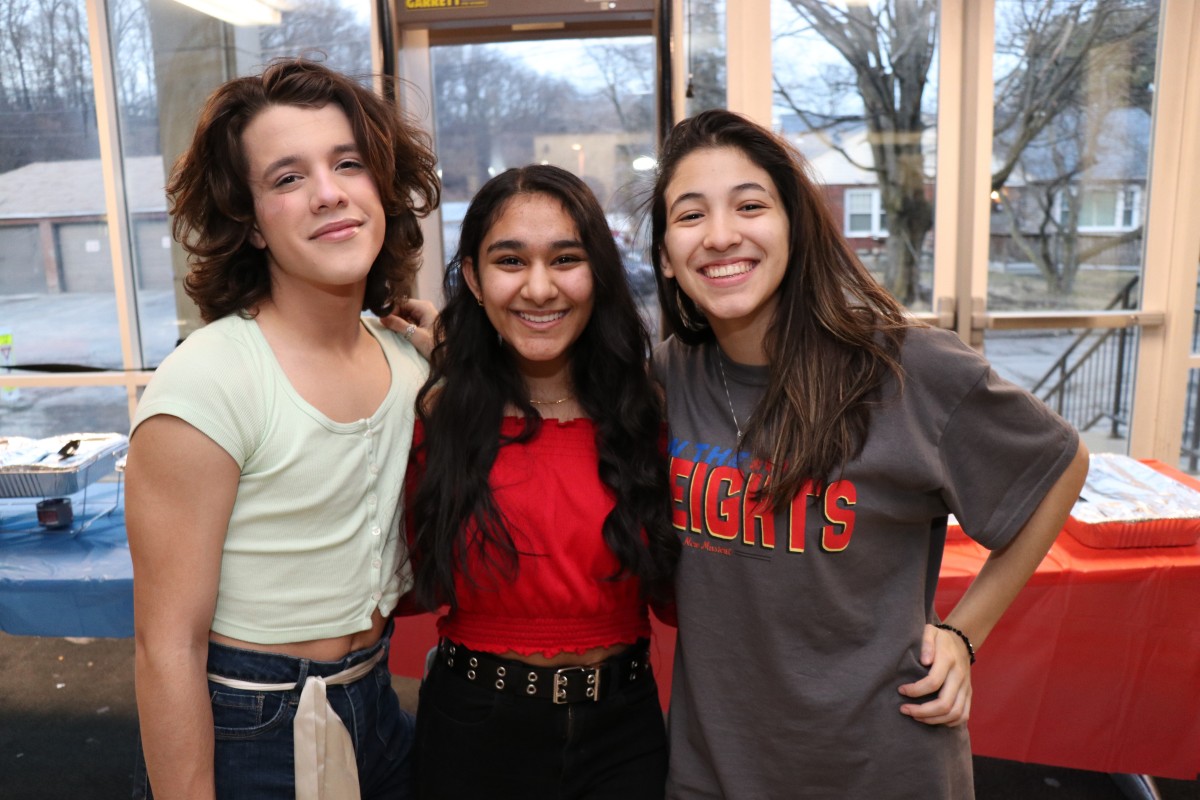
[{"x": 68, "y": 729}]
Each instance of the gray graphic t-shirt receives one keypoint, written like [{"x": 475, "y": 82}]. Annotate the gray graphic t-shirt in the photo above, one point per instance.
[{"x": 797, "y": 627}]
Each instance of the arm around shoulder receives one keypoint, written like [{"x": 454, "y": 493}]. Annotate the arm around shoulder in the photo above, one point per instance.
[{"x": 181, "y": 490}]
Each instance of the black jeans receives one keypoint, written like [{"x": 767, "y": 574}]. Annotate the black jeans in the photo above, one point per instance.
[{"x": 473, "y": 741}]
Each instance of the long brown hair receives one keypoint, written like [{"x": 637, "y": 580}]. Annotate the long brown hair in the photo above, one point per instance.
[
  {"x": 836, "y": 333},
  {"x": 213, "y": 207}
]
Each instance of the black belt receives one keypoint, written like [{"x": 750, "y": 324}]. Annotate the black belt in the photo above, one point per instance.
[{"x": 572, "y": 684}]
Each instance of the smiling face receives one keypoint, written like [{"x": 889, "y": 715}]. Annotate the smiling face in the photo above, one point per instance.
[
  {"x": 726, "y": 241},
  {"x": 317, "y": 210},
  {"x": 535, "y": 282}
]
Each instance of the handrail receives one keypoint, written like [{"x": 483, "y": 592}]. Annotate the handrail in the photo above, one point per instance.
[{"x": 1123, "y": 298}]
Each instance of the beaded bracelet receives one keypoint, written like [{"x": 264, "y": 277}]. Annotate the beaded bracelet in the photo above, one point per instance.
[{"x": 961, "y": 635}]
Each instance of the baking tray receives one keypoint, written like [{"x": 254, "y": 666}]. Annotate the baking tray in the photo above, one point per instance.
[
  {"x": 33, "y": 468},
  {"x": 1126, "y": 503}
]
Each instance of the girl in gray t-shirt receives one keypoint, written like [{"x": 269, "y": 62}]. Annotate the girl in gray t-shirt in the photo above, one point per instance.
[{"x": 818, "y": 440}]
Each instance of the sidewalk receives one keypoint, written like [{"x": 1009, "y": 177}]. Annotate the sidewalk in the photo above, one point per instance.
[{"x": 68, "y": 730}]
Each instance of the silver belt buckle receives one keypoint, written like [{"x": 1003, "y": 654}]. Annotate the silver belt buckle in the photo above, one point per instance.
[{"x": 589, "y": 674}]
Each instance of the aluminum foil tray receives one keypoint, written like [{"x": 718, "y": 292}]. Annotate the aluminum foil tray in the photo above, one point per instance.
[
  {"x": 1126, "y": 503},
  {"x": 35, "y": 468}
]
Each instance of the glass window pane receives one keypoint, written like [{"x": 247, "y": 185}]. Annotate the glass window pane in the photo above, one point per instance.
[
  {"x": 860, "y": 223},
  {"x": 1074, "y": 88},
  {"x": 828, "y": 61},
  {"x": 1129, "y": 208},
  {"x": 704, "y": 49},
  {"x": 169, "y": 57},
  {"x": 859, "y": 203},
  {"x": 54, "y": 250},
  {"x": 38, "y": 412},
  {"x": 1084, "y": 375},
  {"x": 1098, "y": 209},
  {"x": 1189, "y": 451},
  {"x": 507, "y": 105},
  {"x": 57, "y": 300}
]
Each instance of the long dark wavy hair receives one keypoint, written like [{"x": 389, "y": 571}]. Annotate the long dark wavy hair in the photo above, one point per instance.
[
  {"x": 213, "y": 207},
  {"x": 473, "y": 377},
  {"x": 836, "y": 333}
]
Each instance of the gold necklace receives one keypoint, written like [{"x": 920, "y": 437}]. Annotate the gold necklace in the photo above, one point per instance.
[{"x": 551, "y": 402}]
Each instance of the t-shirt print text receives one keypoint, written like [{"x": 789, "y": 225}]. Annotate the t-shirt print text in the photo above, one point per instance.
[{"x": 713, "y": 505}]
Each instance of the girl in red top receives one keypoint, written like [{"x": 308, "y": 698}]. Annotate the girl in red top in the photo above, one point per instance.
[{"x": 540, "y": 513}]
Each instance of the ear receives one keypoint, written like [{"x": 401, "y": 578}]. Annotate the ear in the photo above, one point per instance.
[
  {"x": 256, "y": 238},
  {"x": 665, "y": 263},
  {"x": 472, "y": 278}
]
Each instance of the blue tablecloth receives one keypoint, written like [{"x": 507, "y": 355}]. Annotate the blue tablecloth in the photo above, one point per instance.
[{"x": 66, "y": 583}]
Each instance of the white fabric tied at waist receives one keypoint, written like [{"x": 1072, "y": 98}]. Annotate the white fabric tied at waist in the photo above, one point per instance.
[{"x": 325, "y": 765}]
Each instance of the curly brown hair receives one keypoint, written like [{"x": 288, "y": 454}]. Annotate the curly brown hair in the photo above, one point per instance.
[{"x": 213, "y": 207}]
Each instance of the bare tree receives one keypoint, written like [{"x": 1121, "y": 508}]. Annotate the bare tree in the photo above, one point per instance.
[
  {"x": 704, "y": 44},
  {"x": 887, "y": 47},
  {"x": 1071, "y": 123},
  {"x": 46, "y": 100},
  {"x": 321, "y": 29},
  {"x": 626, "y": 72},
  {"x": 488, "y": 107}
]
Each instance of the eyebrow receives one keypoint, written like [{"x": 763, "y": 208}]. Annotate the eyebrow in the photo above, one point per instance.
[
  {"x": 517, "y": 244},
  {"x": 741, "y": 187},
  {"x": 286, "y": 161}
]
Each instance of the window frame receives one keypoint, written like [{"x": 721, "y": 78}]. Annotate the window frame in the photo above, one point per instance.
[
  {"x": 1127, "y": 202},
  {"x": 877, "y": 228},
  {"x": 1167, "y": 205},
  {"x": 1172, "y": 215}
]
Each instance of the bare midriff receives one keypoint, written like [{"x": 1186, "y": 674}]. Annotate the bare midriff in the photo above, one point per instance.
[
  {"x": 334, "y": 648},
  {"x": 586, "y": 658}
]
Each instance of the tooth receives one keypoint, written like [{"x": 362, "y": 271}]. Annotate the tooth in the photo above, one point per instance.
[
  {"x": 726, "y": 270},
  {"x": 540, "y": 318}
]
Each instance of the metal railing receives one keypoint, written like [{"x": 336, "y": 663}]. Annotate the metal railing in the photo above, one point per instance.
[
  {"x": 1091, "y": 382},
  {"x": 1190, "y": 444}
]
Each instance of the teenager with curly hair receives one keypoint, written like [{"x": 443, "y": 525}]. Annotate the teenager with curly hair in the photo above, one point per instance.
[{"x": 268, "y": 451}]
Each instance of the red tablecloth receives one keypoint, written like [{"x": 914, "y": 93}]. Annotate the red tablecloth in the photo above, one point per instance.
[{"x": 1095, "y": 666}]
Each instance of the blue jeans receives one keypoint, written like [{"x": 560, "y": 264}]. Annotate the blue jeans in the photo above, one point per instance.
[
  {"x": 254, "y": 755},
  {"x": 473, "y": 741}
]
